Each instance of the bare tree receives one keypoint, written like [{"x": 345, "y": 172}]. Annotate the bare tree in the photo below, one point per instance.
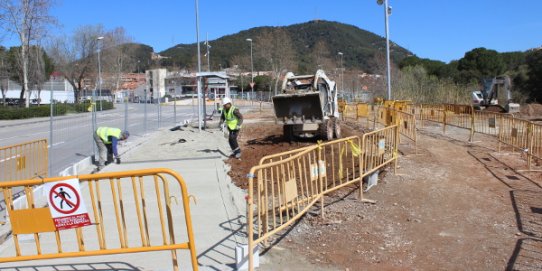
[
  {"x": 37, "y": 75},
  {"x": 74, "y": 56},
  {"x": 4, "y": 73},
  {"x": 27, "y": 19},
  {"x": 322, "y": 57},
  {"x": 276, "y": 49},
  {"x": 118, "y": 56}
]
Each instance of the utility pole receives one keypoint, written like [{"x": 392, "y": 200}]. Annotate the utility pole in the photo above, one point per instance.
[{"x": 199, "y": 66}]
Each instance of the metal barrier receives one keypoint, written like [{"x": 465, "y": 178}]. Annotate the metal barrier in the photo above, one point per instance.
[
  {"x": 349, "y": 111},
  {"x": 514, "y": 133},
  {"x": 406, "y": 123},
  {"x": 284, "y": 186},
  {"x": 140, "y": 197},
  {"x": 434, "y": 113},
  {"x": 522, "y": 135},
  {"x": 24, "y": 161},
  {"x": 487, "y": 122},
  {"x": 362, "y": 110},
  {"x": 535, "y": 148},
  {"x": 459, "y": 117}
]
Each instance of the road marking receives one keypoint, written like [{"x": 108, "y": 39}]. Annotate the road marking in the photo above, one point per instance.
[
  {"x": 55, "y": 144},
  {"x": 9, "y": 158}
]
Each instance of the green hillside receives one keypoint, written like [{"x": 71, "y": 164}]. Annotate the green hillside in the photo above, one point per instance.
[{"x": 362, "y": 49}]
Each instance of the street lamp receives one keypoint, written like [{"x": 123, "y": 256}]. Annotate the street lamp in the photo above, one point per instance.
[
  {"x": 252, "y": 71},
  {"x": 100, "y": 40},
  {"x": 208, "y": 54},
  {"x": 199, "y": 67},
  {"x": 387, "y": 12},
  {"x": 342, "y": 71}
]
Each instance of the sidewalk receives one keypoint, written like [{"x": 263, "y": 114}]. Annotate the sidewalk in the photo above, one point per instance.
[{"x": 218, "y": 216}]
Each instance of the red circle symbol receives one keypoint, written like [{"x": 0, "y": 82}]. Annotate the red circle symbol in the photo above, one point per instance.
[{"x": 64, "y": 198}]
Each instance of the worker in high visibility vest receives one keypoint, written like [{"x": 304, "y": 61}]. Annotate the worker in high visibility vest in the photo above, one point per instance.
[
  {"x": 106, "y": 139},
  {"x": 233, "y": 119}
]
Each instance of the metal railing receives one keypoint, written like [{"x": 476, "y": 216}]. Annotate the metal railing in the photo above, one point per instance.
[
  {"x": 24, "y": 161},
  {"x": 284, "y": 186},
  {"x": 131, "y": 211}
]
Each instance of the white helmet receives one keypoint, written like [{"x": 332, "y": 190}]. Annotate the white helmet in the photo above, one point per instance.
[{"x": 226, "y": 100}]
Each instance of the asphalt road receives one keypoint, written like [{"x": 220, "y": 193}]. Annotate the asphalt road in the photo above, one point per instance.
[{"x": 72, "y": 135}]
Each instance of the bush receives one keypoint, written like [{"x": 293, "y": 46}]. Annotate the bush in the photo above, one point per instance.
[
  {"x": 85, "y": 106},
  {"x": 9, "y": 113},
  {"x": 59, "y": 109}
]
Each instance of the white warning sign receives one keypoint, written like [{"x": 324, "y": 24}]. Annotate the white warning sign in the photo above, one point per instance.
[{"x": 66, "y": 204}]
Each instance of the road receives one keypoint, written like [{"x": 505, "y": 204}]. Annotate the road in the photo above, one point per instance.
[{"x": 72, "y": 135}]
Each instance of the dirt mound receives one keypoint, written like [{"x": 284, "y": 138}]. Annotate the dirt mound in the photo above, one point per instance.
[{"x": 531, "y": 110}]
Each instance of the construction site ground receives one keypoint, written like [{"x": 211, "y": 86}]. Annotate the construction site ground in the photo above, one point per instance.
[{"x": 452, "y": 205}]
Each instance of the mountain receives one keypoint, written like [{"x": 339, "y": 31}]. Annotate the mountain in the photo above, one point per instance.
[{"x": 362, "y": 49}]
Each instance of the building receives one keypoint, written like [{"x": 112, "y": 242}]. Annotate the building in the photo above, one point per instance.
[{"x": 61, "y": 89}]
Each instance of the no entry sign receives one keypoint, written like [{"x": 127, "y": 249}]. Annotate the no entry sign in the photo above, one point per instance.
[{"x": 66, "y": 204}]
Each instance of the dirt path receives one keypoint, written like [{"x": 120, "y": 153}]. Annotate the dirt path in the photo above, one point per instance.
[{"x": 452, "y": 206}]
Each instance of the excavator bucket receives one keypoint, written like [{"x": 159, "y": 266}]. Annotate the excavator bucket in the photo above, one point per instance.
[{"x": 300, "y": 108}]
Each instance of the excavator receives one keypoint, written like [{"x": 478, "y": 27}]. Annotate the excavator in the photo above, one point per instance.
[
  {"x": 307, "y": 107},
  {"x": 488, "y": 97}
]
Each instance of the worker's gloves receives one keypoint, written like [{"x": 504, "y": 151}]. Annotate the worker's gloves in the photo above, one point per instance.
[
  {"x": 117, "y": 160},
  {"x": 221, "y": 126},
  {"x": 238, "y": 127}
]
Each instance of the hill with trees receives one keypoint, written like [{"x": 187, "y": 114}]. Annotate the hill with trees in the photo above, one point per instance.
[{"x": 307, "y": 46}]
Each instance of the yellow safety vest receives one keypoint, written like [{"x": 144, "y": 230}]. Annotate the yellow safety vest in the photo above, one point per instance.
[
  {"x": 231, "y": 119},
  {"x": 105, "y": 132}
]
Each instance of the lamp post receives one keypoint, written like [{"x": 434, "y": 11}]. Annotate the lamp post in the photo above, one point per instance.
[
  {"x": 100, "y": 40},
  {"x": 387, "y": 12},
  {"x": 208, "y": 54},
  {"x": 199, "y": 66},
  {"x": 251, "y": 71},
  {"x": 342, "y": 71}
]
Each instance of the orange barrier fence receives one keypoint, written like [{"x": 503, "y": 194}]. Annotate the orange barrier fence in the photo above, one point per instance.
[
  {"x": 535, "y": 148},
  {"x": 514, "y": 133},
  {"x": 406, "y": 123},
  {"x": 519, "y": 134},
  {"x": 142, "y": 217},
  {"x": 486, "y": 122},
  {"x": 24, "y": 161},
  {"x": 285, "y": 186},
  {"x": 349, "y": 112}
]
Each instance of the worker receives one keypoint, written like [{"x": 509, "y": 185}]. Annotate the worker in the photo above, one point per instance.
[
  {"x": 234, "y": 119},
  {"x": 106, "y": 139}
]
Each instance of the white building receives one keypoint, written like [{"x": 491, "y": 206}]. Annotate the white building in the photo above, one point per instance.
[
  {"x": 61, "y": 88},
  {"x": 156, "y": 83}
]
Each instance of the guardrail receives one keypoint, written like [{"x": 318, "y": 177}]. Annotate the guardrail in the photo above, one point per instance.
[
  {"x": 24, "y": 161},
  {"x": 284, "y": 186},
  {"x": 142, "y": 215}
]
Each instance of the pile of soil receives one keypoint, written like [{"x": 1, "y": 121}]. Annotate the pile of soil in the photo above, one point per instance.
[{"x": 531, "y": 111}]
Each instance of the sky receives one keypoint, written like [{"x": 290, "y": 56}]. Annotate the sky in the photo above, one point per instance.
[{"x": 437, "y": 29}]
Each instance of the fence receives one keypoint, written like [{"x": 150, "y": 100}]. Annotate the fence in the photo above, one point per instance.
[
  {"x": 132, "y": 212},
  {"x": 284, "y": 186},
  {"x": 24, "y": 161},
  {"x": 522, "y": 135}
]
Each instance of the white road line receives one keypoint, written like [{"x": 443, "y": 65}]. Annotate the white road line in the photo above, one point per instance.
[
  {"x": 9, "y": 158},
  {"x": 55, "y": 144}
]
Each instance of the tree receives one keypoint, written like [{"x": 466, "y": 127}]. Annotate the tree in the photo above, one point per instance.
[
  {"x": 534, "y": 83},
  {"x": 118, "y": 55},
  {"x": 74, "y": 56},
  {"x": 480, "y": 63},
  {"x": 28, "y": 19},
  {"x": 275, "y": 49},
  {"x": 4, "y": 73}
]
